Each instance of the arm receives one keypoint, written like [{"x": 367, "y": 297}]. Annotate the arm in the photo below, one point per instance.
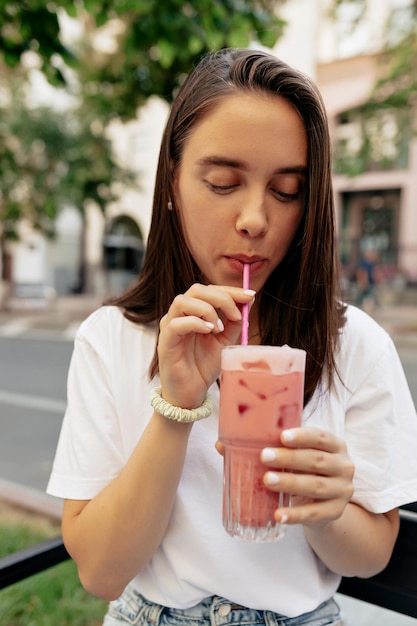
[
  {"x": 348, "y": 539},
  {"x": 359, "y": 543},
  {"x": 114, "y": 535}
]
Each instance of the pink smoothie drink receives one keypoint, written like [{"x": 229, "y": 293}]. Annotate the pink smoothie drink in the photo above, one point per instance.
[{"x": 261, "y": 394}]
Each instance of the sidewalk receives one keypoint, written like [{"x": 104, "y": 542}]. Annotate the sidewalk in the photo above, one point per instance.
[
  {"x": 58, "y": 320},
  {"x": 400, "y": 321}
]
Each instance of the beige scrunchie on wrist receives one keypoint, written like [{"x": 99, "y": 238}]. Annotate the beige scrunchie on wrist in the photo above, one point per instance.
[{"x": 177, "y": 413}]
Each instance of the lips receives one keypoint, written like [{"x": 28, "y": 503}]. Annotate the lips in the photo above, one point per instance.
[
  {"x": 247, "y": 259},
  {"x": 255, "y": 262}
]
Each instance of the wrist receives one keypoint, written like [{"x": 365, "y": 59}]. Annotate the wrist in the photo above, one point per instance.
[{"x": 177, "y": 413}]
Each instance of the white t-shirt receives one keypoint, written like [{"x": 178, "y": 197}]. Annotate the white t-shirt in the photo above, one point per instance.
[{"x": 108, "y": 409}]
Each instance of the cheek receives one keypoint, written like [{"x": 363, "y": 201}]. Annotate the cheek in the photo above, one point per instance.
[
  {"x": 196, "y": 229},
  {"x": 287, "y": 222},
  {"x": 285, "y": 228},
  {"x": 196, "y": 213}
]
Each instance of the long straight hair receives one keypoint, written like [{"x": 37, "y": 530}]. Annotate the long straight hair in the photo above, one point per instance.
[{"x": 299, "y": 303}]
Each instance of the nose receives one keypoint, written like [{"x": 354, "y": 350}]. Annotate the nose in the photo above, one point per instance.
[{"x": 252, "y": 218}]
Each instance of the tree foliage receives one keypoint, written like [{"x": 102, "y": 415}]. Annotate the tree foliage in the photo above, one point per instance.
[
  {"x": 397, "y": 86},
  {"x": 397, "y": 82},
  {"x": 50, "y": 159},
  {"x": 154, "y": 42},
  {"x": 386, "y": 121},
  {"x": 125, "y": 51}
]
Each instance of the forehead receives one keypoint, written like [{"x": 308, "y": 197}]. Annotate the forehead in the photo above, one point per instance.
[{"x": 245, "y": 123}]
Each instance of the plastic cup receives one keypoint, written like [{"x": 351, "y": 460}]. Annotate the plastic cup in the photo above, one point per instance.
[{"x": 261, "y": 394}]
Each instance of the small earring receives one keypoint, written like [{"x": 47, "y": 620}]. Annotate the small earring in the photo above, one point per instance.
[{"x": 170, "y": 207}]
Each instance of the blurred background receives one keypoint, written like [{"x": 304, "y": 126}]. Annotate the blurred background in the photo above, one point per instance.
[{"x": 85, "y": 89}]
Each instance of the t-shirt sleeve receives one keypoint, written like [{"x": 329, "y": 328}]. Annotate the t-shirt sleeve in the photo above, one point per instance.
[
  {"x": 89, "y": 451},
  {"x": 381, "y": 435}
]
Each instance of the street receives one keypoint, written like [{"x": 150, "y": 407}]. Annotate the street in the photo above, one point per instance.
[{"x": 32, "y": 399}]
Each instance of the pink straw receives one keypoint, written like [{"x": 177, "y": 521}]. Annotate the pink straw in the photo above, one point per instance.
[{"x": 245, "y": 307}]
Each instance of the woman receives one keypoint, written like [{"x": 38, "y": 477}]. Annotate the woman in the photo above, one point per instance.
[{"x": 244, "y": 176}]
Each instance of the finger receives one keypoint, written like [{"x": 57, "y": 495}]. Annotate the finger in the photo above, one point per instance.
[
  {"x": 229, "y": 302},
  {"x": 205, "y": 302},
  {"x": 301, "y": 460},
  {"x": 309, "y": 461},
  {"x": 304, "y": 437},
  {"x": 219, "y": 447},
  {"x": 224, "y": 298},
  {"x": 236, "y": 293},
  {"x": 309, "y": 486},
  {"x": 183, "y": 326},
  {"x": 186, "y": 306},
  {"x": 311, "y": 513}
]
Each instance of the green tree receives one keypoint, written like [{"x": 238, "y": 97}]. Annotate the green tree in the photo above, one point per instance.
[
  {"x": 49, "y": 159},
  {"x": 398, "y": 83},
  {"x": 392, "y": 100},
  {"x": 154, "y": 43}
]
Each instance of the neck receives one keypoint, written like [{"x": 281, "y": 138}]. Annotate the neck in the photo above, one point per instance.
[{"x": 255, "y": 338}]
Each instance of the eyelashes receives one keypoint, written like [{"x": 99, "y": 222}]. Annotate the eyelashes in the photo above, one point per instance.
[
  {"x": 283, "y": 196},
  {"x": 287, "y": 196},
  {"x": 221, "y": 189}
]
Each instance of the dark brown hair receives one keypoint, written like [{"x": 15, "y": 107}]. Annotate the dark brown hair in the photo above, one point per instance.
[{"x": 298, "y": 304}]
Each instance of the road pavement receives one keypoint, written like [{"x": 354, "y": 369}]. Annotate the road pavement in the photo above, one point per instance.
[{"x": 56, "y": 321}]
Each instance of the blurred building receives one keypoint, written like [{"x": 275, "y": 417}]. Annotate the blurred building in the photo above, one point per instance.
[
  {"x": 375, "y": 208},
  {"x": 116, "y": 243}
]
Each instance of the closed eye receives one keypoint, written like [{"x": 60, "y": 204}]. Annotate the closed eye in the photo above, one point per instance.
[
  {"x": 286, "y": 197},
  {"x": 221, "y": 189}
]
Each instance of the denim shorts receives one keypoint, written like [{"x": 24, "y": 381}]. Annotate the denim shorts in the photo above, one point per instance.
[{"x": 133, "y": 608}]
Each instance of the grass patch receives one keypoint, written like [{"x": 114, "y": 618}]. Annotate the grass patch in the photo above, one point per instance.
[{"x": 51, "y": 598}]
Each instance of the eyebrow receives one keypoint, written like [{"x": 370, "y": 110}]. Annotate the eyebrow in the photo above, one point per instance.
[{"x": 241, "y": 165}]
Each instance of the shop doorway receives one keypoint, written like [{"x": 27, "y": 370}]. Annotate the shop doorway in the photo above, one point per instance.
[
  {"x": 370, "y": 222},
  {"x": 123, "y": 251}
]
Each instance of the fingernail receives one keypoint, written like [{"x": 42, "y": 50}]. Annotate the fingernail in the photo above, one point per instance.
[
  {"x": 288, "y": 435},
  {"x": 249, "y": 292},
  {"x": 268, "y": 454},
  {"x": 272, "y": 478},
  {"x": 220, "y": 325},
  {"x": 284, "y": 518},
  {"x": 209, "y": 325}
]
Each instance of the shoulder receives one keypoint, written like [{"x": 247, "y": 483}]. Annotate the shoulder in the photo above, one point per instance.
[
  {"x": 362, "y": 328},
  {"x": 363, "y": 343},
  {"x": 108, "y": 327}
]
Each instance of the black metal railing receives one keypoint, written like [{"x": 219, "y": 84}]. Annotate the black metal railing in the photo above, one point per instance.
[
  {"x": 395, "y": 588},
  {"x": 29, "y": 561}
]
